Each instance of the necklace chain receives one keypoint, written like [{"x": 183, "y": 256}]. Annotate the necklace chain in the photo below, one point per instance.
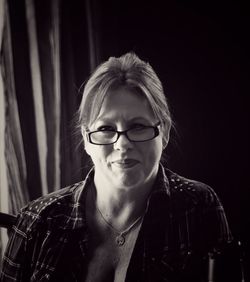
[
  {"x": 120, "y": 239},
  {"x": 124, "y": 232}
]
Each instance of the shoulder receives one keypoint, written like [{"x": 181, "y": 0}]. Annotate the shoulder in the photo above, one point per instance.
[
  {"x": 54, "y": 205},
  {"x": 65, "y": 195},
  {"x": 197, "y": 191}
]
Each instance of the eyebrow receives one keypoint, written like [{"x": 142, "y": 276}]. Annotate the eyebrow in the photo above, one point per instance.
[{"x": 134, "y": 119}]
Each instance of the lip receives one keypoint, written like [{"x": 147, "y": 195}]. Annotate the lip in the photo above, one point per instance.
[{"x": 125, "y": 163}]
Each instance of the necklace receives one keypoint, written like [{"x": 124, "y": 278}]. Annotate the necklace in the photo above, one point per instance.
[{"x": 120, "y": 238}]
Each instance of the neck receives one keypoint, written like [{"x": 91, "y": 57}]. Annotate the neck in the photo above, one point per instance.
[{"x": 121, "y": 205}]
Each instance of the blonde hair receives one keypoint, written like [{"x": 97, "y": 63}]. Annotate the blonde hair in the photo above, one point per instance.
[{"x": 126, "y": 71}]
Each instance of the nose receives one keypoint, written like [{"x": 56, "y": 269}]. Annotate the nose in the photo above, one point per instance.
[{"x": 123, "y": 143}]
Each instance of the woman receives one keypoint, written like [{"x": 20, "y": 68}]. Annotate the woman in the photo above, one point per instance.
[{"x": 130, "y": 219}]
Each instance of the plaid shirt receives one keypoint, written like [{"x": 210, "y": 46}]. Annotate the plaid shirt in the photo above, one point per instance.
[{"x": 183, "y": 222}]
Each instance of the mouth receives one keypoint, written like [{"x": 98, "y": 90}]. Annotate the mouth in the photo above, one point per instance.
[{"x": 125, "y": 163}]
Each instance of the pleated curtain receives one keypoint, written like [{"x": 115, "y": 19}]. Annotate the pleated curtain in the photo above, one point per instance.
[{"x": 47, "y": 51}]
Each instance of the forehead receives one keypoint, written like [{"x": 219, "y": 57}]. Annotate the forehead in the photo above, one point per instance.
[{"x": 125, "y": 103}]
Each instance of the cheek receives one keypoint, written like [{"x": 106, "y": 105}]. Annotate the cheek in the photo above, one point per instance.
[
  {"x": 151, "y": 153},
  {"x": 97, "y": 153}
]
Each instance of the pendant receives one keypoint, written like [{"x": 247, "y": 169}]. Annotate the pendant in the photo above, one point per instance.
[{"x": 120, "y": 240}]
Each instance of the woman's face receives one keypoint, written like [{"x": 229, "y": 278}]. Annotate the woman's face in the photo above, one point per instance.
[{"x": 125, "y": 164}]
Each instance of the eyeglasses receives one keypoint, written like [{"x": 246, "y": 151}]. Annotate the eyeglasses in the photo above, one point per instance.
[{"x": 110, "y": 136}]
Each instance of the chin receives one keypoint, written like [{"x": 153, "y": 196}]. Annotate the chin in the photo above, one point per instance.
[{"x": 129, "y": 181}]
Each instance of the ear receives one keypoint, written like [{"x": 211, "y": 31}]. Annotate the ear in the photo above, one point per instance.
[
  {"x": 85, "y": 141},
  {"x": 164, "y": 143},
  {"x": 86, "y": 148},
  {"x": 83, "y": 132},
  {"x": 165, "y": 138}
]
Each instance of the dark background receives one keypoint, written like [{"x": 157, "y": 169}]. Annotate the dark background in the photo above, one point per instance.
[
  {"x": 201, "y": 54},
  {"x": 200, "y": 51}
]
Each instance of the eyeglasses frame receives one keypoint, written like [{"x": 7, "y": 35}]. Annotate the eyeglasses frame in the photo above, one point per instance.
[{"x": 124, "y": 132}]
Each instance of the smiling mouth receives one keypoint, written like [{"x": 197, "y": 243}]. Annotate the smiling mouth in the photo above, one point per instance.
[{"x": 126, "y": 163}]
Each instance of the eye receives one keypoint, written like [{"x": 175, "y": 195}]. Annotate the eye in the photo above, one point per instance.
[
  {"x": 138, "y": 126},
  {"x": 105, "y": 128}
]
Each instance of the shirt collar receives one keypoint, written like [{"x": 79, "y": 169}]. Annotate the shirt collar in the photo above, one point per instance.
[
  {"x": 162, "y": 183},
  {"x": 77, "y": 218}
]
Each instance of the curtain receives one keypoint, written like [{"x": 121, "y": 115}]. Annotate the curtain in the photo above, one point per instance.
[{"x": 48, "y": 48}]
